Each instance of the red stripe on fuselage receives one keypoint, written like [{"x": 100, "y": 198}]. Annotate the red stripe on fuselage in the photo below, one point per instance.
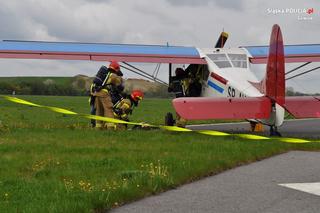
[{"x": 218, "y": 78}]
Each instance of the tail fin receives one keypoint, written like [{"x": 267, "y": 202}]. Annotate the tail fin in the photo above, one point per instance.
[{"x": 274, "y": 81}]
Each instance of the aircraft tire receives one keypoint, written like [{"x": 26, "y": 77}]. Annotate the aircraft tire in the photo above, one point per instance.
[{"x": 169, "y": 121}]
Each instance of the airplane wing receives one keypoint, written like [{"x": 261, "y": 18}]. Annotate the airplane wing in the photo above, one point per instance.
[
  {"x": 303, "y": 106},
  {"x": 292, "y": 53},
  {"x": 100, "y": 52},
  {"x": 203, "y": 108}
]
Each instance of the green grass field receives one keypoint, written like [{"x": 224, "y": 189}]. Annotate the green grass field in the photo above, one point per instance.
[{"x": 50, "y": 162}]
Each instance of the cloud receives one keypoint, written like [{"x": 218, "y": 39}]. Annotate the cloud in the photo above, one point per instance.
[
  {"x": 230, "y": 4},
  {"x": 189, "y": 2}
]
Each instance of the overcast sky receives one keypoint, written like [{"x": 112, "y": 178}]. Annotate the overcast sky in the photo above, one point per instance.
[{"x": 179, "y": 22}]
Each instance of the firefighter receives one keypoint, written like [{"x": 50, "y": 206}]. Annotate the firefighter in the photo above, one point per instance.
[
  {"x": 125, "y": 106},
  {"x": 191, "y": 87},
  {"x": 92, "y": 105},
  {"x": 115, "y": 92},
  {"x": 179, "y": 83},
  {"x": 106, "y": 81},
  {"x": 185, "y": 80},
  {"x": 195, "y": 86}
]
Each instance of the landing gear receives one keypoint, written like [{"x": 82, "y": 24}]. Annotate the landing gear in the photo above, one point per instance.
[
  {"x": 253, "y": 125},
  {"x": 274, "y": 131},
  {"x": 169, "y": 121},
  {"x": 256, "y": 127}
]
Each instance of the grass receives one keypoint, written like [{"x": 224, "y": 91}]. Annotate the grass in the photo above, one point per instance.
[
  {"x": 55, "y": 163},
  {"x": 151, "y": 111}
]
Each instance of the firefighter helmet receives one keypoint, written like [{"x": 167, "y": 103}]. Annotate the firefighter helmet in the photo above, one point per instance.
[
  {"x": 137, "y": 95},
  {"x": 115, "y": 66},
  {"x": 179, "y": 72}
]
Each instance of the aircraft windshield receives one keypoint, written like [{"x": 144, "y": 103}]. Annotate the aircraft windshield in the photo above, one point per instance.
[
  {"x": 238, "y": 60},
  {"x": 220, "y": 60}
]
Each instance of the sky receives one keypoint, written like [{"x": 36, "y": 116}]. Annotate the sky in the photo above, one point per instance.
[{"x": 178, "y": 22}]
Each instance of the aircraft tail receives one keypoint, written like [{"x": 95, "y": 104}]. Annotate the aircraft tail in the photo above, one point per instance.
[{"x": 274, "y": 82}]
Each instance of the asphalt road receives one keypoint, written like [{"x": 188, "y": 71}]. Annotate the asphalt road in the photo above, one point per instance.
[
  {"x": 306, "y": 128},
  {"x": 251, "y": 188}
]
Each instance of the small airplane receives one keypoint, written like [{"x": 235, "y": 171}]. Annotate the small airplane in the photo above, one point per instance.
[{"x": 229, "y": 88}]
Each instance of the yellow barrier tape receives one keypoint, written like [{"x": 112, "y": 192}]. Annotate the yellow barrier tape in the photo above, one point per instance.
[
  {"x": 109, "y": 120},
  {"x": 20, "y": 101},
  {"x": 213, "y": 133},
  {"x": 293, "y": 140},
  {"x": 60, "y": 110},
  {"x": 175, "y": 128},
  {"x": 252, "y": 137},
  {"x": 68, "y": 112},
  {"x": 169, "y": 128}
]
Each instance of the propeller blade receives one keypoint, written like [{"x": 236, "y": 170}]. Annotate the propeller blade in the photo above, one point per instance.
[{"x": 221, "y": 40}]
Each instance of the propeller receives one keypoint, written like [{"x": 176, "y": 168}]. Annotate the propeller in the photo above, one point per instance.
[{"x": 221, "y": 40}]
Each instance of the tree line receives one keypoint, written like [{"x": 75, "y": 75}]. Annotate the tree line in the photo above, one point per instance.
[
  {"x": 40, "y": 88},
  {"x": 77, "y": 88},
  {"x": 72, "y": 88}
]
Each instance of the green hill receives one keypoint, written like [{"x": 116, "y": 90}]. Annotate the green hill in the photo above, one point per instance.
[{"x": 71, "y": 86}]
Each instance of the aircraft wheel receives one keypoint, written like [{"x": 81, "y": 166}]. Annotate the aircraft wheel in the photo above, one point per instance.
[
  {"x": 169, "y": 121},
  {"x": 274, "y": 131}
]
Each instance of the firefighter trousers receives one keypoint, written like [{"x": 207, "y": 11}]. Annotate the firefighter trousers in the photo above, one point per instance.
[{"x": 104, "y": 107}]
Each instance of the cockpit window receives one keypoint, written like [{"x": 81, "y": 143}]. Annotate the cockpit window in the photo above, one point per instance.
[
  {"x": 218, "y": 57},
  {"x": 238, "y": 60},
  {"x": 220, "y": 60}
]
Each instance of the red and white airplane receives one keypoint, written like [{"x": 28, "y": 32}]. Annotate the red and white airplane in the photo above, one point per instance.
[{"x": 230, "y": 90}]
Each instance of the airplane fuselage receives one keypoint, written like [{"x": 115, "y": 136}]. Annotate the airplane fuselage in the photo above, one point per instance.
[{"x": 230, "y": 76}]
